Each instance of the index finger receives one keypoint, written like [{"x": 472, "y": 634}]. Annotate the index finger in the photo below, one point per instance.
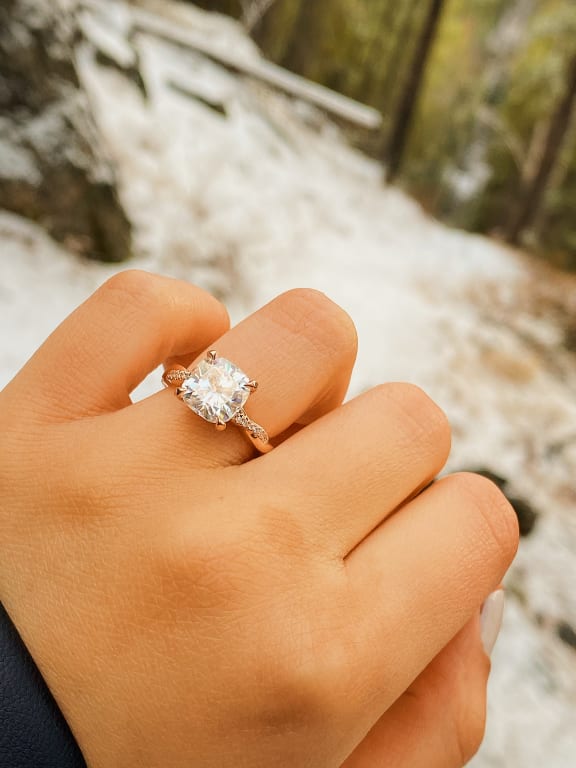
[{"x": 91, "y": 363}]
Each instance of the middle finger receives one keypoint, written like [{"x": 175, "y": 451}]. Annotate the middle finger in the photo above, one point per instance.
[{"x": 351, "y": 469}]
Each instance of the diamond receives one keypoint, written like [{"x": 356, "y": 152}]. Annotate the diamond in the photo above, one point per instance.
[{"x": 216, "y": 390}]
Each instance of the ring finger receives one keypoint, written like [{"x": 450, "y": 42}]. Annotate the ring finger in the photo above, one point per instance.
[{"x": 301, "y": 348}]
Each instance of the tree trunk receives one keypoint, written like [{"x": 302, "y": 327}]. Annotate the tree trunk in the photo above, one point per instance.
[
  {"x": 229, "y": 7},
  {"x": 533, "y": 190},
  {"x": 53, "y": 166},
  {"x": 273, "y": 33},
  {"x": 396, "y": 59},
  {"x": 374, "y": 58},
  {"x": 394, "y": 153},
  {"x": 307, "y": 34}
]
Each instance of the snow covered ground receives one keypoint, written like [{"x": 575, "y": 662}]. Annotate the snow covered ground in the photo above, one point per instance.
[{"x": 260, "y": 195}]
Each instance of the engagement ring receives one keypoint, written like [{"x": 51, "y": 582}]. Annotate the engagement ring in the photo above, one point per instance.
[{"x": 217, "y": 390}]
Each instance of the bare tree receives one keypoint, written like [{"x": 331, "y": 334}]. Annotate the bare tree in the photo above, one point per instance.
[
  {"x": 307, "y": 33},
  {"x": 376, "y": 50},
  {"x": 533, "y": 190},
  {"x": 394, "y": 153},
  {"x": 396, "y": 60}
]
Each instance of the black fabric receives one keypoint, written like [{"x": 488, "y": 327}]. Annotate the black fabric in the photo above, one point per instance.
[{"x": 33, "y": 733}]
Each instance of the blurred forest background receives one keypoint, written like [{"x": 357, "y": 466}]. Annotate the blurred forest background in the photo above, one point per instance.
[{"x": 478, "y": 99}]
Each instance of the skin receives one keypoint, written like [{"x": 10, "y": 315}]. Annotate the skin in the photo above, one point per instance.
[{"x": 191, "y": 603}]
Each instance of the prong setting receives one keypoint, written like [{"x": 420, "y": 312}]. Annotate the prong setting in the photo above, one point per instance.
[{"x": 216, "y": 390}]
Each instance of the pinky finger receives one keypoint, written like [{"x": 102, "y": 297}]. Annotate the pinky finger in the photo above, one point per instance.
[{"x": 439, "y": 721}]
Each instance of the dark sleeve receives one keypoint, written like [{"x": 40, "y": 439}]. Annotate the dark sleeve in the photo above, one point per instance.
[{"x": 33, "y": 732}]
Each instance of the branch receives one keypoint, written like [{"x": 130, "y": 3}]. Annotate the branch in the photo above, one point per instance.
[{"x": 253, "y": 11}]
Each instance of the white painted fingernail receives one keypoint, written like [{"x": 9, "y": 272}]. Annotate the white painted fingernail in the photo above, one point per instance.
[{"x": 491, "y": 620}]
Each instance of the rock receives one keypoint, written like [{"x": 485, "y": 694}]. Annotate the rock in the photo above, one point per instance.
[
  {"x": 569, "y": 341},
  {"x": 567, "y": 634},
  {"x": 526, "y": 514},
  {"x": 110, "y": 35},
  {"x": 54, "y": 167},
  {"x": 498, "y": 480}
]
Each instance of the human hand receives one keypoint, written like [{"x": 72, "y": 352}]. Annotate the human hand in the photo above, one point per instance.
[{"x": 189, "y": 604}]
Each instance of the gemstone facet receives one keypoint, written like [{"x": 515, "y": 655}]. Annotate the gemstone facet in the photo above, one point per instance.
[{"x": 216, "y": 390}]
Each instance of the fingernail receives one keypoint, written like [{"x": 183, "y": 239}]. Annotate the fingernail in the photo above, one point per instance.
[{"x": 491, "y": 620}]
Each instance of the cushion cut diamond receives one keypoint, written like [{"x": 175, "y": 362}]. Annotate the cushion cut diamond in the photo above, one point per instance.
[{"x": 216, "y": 390}]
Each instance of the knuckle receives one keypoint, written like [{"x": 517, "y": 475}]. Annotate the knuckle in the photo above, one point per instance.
[
  {"x": 84, "y": 490},
  {"x": 293, "y": 668},
  {"x": 211, "y": 569},
  {"x": 130, "y": 285},
  {"x": 272, "y": 515},
  {"x": 304, "y": 678},
  {"x": 493, "y": 510},
  {"x": 307, "y": 312},
  {"x": 422, "y": 419}
]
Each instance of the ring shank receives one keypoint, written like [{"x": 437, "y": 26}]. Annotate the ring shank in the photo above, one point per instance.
[
  {"x": 257, "y": 434},
  {"x": 260, "y": 445}
]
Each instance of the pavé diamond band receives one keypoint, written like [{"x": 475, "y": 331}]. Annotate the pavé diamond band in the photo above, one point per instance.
[{"x": 217, "y": 390}]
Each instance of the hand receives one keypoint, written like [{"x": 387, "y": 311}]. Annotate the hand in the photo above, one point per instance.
[{"x": 190, "y": 604}]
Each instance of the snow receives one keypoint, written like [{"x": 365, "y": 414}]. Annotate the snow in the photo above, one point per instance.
[
  {"x": 107, "y": 40},
  {"x": 16, "y": 162},
  {"x": 267, "y": 197}
]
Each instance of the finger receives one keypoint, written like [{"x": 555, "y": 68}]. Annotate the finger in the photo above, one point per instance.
[
  {"x": 418, "y": 578},
  {"x": 361, "y": 461},
  {"x": 439, "y": 721},
  {"x": 128, "y": 327},
  {"x": 300, "y": 348}
]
